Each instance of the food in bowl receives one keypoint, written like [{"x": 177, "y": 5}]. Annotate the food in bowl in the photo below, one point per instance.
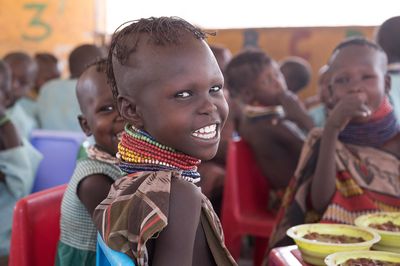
[
  {"x": 333, "y": 238},
  {"x": 314, "y": 251},
  {"x": 379, "y": 221},
  {"x": 362, "y": 258},
  {"x": 368, "y": 262},
  {"x": 388, "y": 226}
]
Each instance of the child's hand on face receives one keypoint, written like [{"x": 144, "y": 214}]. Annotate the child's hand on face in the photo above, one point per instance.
[
  {"x": 349, "y": 107},
  {"x": 3, "y": 103},
  {"x": 291, "y": 104}
]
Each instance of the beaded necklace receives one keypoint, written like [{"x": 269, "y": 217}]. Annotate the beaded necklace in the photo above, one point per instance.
[
  {"x": 138, "y": 152},
  {"x": 382, "y": 126}
]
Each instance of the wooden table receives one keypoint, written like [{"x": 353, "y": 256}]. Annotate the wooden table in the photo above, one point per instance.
[{"x": 286, "y": 256}]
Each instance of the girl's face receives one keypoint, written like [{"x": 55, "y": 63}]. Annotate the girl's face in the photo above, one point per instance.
[
  {"x": 101, "y": 118},
  {"x": 269, "y": 85},
  {"x": 179, "y": 98},
  {"x": 359, "y": 70}
]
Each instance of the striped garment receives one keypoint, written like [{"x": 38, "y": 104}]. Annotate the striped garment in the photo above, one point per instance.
[
  {"x": 136, "y": 210},
  {"x": 367, "y": 180},
  {"x": 77, "y": 228}
]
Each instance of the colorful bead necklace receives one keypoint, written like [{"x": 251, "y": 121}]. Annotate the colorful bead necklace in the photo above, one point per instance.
[{"x": 138, "y": 152}]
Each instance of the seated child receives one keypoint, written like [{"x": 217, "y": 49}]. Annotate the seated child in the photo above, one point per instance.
[
  {"x": 24, "y": 71},
  {"x": 57, "y": 103},
  {"x": 18, "y": 164},
  {"x": 169, "y": 90},
  {"x": 319, "y": 111},
  {"x": 388, "y": 37},
  {"x": 351, "y": 167},
  {"x": 256, "y": 83},
  {"x": 297, "y": 73},
  {"x": 93, "y": 175}
]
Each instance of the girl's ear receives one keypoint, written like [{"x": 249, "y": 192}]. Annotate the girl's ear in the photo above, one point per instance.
[
  {"x": 129, "y": 111},
  {"x": 388, "y": 83},
  {"x": 84, "y": 125},
  {"x": 248, "y": 96}
]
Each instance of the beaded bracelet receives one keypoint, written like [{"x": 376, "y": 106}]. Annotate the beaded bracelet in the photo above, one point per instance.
[{"x": 4, "y": 119}]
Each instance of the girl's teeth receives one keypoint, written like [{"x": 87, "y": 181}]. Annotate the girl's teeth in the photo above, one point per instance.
[{"x": 207, "y": 132}]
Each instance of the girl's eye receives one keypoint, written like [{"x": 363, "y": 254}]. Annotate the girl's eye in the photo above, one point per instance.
[
  {"x": 341, "y": 80},
  {"x": 183, "y": 94},
  {"x": 107, "y": 108},
  {"x": 216, "y": 88},
  {"x": 368, "y": 76}
]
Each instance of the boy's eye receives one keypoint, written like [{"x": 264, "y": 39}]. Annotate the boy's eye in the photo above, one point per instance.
[
  {"x": 341, "y": 80},
  {"x": 368, "y": 76},
  {"x": 183, "y": 94},
  {"x": 216, "y": 88}
]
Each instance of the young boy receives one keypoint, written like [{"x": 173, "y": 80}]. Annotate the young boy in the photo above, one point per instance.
[
  {"x": 94, "y": 175},
  {"x": 256, "y": 83},
  {"x": 351, "y": 167},
  {"x": 297, "y": 73},
  {"x": 18, "y": 164},
  {"x": 57, "y": 103},
  {"x": 24, "y": 71},
  {"x": 169, "y": 91},
  {"x": 388, "y": 37}
]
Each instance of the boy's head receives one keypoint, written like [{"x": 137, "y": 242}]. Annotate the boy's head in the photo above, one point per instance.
[
  {"x": 358, "y": 66},
  {"x": 254, "y": 78},
  {"x": 168, "y": 83},
  {"x": 297, "y": 73},
  {"x": 100, "y": 116},
  {"x": 24, "y": 71},
  {"x": 388, "y": 37},
  {"x": 47, "y": 69},
  {"x": 81, "y": 57},
  {"x": 5, "y": 84}
]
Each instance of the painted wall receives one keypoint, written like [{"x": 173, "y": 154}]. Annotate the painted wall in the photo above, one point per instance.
[
  {"x": 313, "y": 44},
  {"x": 55, "y": 26}
]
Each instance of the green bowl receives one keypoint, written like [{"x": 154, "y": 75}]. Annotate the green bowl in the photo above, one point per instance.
[
  {"x": 390, "y": 241},
  {"x": 314, "y": 252},
  {"x": 340, "y": 257}
]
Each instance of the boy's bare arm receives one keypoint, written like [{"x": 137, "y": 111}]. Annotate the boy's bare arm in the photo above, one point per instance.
[{"x": 92, "y": 190}]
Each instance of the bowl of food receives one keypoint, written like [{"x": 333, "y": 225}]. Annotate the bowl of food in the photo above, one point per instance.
[
  {"x": 316, "y": 241},
  {"x": 356, "y": 258},
  {"x": 387, "y": 225}
]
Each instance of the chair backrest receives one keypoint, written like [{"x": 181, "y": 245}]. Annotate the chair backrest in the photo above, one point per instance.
[
  {"x": 60, "y": 150},
  {"x": 248, "y": 185},
  {"x": 105, "y": 256},
  {"x": 36, "y": 228}
]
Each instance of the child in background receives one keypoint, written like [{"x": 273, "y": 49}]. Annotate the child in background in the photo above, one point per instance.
[
  {"x": 18, "y": 164},
  {"x": 319, "y": 112},
  {"x": 93, "y": 175},
  {"x": 256, "y": 83},
  {"x": 351, "y": 167},
  {"x": 169, "y": 91},
  {"x": 388, "y": 37},
  {"x": 297, "y": 73},
  {"x": 57, "y": 103},
  {"x": 24, "y": 71}
]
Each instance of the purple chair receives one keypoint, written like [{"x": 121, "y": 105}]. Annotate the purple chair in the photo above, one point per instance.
[{"x": 59, "y": 150}]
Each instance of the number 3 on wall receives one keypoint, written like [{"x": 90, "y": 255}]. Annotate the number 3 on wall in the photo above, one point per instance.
[{"x": 41, "y": 30}]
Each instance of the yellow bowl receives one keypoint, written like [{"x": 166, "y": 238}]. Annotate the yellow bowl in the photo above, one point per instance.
[
  {"x": 390, "y": 241},
  {"x": 314, "y": 252},
  {"x": 340, "y": 257}
]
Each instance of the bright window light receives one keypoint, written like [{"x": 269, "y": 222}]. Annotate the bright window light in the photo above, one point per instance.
[{"x": 223, "y": 14}]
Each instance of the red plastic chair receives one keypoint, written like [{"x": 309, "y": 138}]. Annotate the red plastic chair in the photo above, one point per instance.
[
  {"x": 36, "y": 228},
  {"x": 244, "y": 209}
]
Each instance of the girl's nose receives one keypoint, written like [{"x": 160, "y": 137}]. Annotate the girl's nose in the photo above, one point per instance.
[{"x": 207, "y": 105}]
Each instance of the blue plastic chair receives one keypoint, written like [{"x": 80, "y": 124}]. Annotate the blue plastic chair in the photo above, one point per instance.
[
  {"x": 59, "y": 150},
  {"x": 105, "y": 256}
]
